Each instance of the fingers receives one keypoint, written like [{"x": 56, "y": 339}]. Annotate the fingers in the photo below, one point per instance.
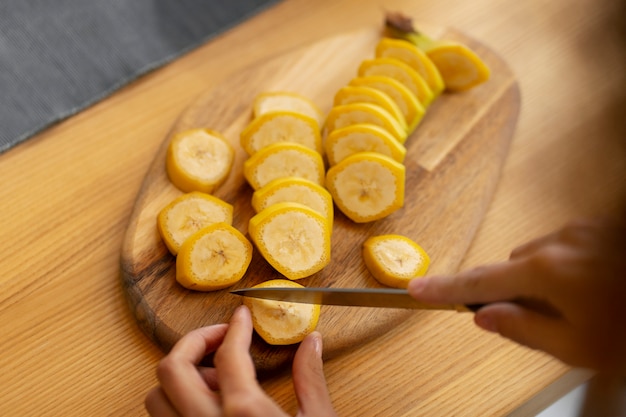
[
  {"x": 308, "y": 378},
  {"x": 158, "y": 405},
  {"x": 178, "y": 374}
]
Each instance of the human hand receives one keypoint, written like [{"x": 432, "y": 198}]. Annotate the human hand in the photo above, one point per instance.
[
  {"x": 564, "y": 293},
  {"x": 231, "y": 387}
]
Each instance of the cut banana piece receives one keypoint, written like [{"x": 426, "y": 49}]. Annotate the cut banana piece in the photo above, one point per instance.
[
  {"x": 295, "y": 190},
  {"x": 281, "y": 126},
  {"x": 282, "y": 160},
  {"x": 394, "y": 260},
  {"x": 367, "y": 186},
  {"x": 459, "y": 66},
  {"x": 402, "y": 72},
  {"x": 213, "y": 258},
  {"x": 352, "y": 139},
  {"x": 415, "y": 58},
  {"x": 359, "y": 113},
  {"x": 408, "y": 103},
  {"x": 363, "y": 94},
  {"x": 293, "y": 238},
  {"x": 189, "y": 213},
  {"x": 272, "y": 101},
  {"x": 199, "y": 160},
  {"x": 282, "y": 322}
]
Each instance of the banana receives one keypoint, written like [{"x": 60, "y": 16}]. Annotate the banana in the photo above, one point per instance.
[
  {"x": 189, "y": 213},
  {"x": 352, "y": 139},
  {"x": 198, "y": 160},
  {"x": 459, "y": 66},
  {"x": 281, "y": 126},
  {"x": 281, "y": 160},
  {"x": 358, "y": 113},
  {"x": 394, "y": 260},
  {"x": 272, "y": 101},
  {"x": 400, "y": 71},
  {"x": 282, "y": 322},
  {"x": 213, "y": 258},
  {"x": 363, "y": 94},
  {"x": 293, "y": 238},
  {"x": 367, "y": 186},
  {"x": 408, "y": 103}
]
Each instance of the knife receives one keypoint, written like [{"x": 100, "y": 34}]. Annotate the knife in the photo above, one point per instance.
[{"x": 355, "y": 297}]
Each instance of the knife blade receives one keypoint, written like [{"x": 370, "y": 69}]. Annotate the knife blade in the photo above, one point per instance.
[{"x": 354, "y": 297}]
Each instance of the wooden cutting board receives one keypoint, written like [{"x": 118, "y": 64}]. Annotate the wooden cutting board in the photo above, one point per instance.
[{"x": 453, "y": 164}]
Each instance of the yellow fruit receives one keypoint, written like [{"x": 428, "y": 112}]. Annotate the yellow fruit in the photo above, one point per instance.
[
  {"x": 359, "y": 113},
  {"x": 415, "y": 58},
  {"x": 362, "y": 94},
  {"x": 367, "y": 186},
  {"x": 282, "y": 322},
  {"x": 189, "y": 213},
  {"x": 295, "y": 190},
  {"x": 213, "y": 258},
  {"x": 394, "y": 260},
  {"x": 281, "y": 126},
  {"x": 293, "y": 238},
  {"x": 272, "y": 101},
  {"x": 282, "y": 160},
  {"x": 459, "y": 66},
  {"x": 402, "y": 72},
  {"x": 199, "y": 160},
  {"x": 352, "y": 139},
  {"x": 408, "y": 103}
]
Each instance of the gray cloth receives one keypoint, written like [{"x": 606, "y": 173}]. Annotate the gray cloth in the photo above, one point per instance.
[{"x": 59, "y": 56}]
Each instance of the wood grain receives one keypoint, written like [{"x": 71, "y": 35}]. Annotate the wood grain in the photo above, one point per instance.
[{"x": 453, "y": 162}]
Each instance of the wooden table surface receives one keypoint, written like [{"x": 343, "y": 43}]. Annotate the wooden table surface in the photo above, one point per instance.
[{"x": 70, "y": 346}]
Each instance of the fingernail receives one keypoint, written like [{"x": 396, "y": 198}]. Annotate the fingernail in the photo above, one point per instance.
[
  {"x": 317, "y": 343},
  {"x": 417, "y": 286},
  {"x": 486, "y": 322}
]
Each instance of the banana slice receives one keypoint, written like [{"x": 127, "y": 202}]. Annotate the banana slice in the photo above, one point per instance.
[
  {"x": 272, "y": 101},
  {"x": 282, "y": 322},
  {"x": 295, "y": 190},
  {"x": 281, "y": 126},
  {"x": 199, "y": 160},
  {"x": 358, "y": 113},
  {"x": 189, "y": 213},
  {"x": 283, "y": 160},
  {"x": 394, "y": 260},
  {"x": 352, "y": 139},
  {"x": 460, "y": 67},
  {"x": 400, "y": 71},
  {"x": 408, "y": 103},
  {"x": 363, "y": 94},
  {"x": 415, "y": 58},
  {"x": 367, "y": 186},
  {"x": 293, "y": 238},
  {"x": 213, "y": 258}
]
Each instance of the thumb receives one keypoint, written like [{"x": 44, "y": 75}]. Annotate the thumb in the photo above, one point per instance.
[{"x": 308, "y": 378}]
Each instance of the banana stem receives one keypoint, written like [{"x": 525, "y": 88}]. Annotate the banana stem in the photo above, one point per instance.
[{"x": 400, "y": 26}]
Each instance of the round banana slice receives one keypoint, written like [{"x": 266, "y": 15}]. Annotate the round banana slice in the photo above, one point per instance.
[
  {"x": 362, "y": 94},
  {"x": 199, "y": 160},
  {"x": 213, "y": 258},
  {"x": 295, "y": 190},
  {"x": 400, "y": 71},
  {"x": 189, "y": 213},
  {"x": 272, "y": 101},
  {"x": 283, "y": 160},
  {"x": 352, "y": 139},
  {"x": 358, "y": 113},
  {"x": 460, "y": 67},
  {"x": 293, "y": 238},
  {"x": 394, "y": 260},
  {"x": 415, "y": 58},
  {"x": 408, "y": 103},
  {"x": 367, "y": 186},
  {"x": 282, "y": 322},
  {"x": 281, "y": 126}
]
